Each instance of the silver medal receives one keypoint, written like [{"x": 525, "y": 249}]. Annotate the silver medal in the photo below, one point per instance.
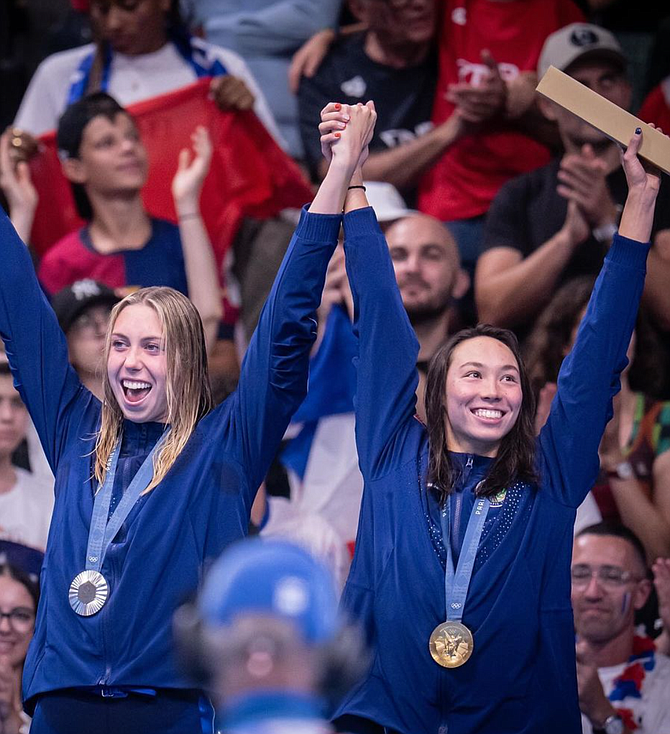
[{"x": 88, "y": 593}]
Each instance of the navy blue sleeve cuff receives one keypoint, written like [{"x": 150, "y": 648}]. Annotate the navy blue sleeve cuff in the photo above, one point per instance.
[
  {"x": 361, "y": 222},
  {"x": 320, "y": 227},
  {"x": 627, "y": 252}
]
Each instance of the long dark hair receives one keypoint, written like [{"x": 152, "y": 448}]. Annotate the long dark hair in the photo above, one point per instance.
[
  {"x": 22, "y": 577},
  {"x": 515, "y": 459}
]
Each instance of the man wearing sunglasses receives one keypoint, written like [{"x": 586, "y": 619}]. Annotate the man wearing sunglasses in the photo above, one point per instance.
[{"x": 624, "y": 684}]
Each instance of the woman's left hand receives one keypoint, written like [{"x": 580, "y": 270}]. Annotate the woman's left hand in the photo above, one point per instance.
[
  {"x": 639, "y": 175},
  {"x": 191, "y": 173}
]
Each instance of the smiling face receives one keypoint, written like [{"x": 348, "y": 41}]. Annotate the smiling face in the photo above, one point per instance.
[
  {"x": 604, "y": 603},
  {"x": 16, "y": 634},
  {"x": 137, "y": 364},
  {"x": 483, "y": 396}
]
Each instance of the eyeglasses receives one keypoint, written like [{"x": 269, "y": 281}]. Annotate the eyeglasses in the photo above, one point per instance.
[
  {"x": 20, "y": 619},
  {"x": 610, "y": 577}
]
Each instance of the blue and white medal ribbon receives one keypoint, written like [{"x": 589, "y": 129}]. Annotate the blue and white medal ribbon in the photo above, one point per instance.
[
  {"x": 451, "y": 643},
  {"x": 89, "y": 590}
]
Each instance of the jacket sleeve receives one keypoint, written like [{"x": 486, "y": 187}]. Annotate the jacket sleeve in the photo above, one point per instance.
[
  {"x": 35, "y": 345},
  {"x": 273, "y": 378},
  {"x": 589, "y": 375},
  {"x": 387, "y": 351}
]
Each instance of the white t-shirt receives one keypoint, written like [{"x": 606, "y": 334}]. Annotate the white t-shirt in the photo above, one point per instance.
[
  {"x": 131, "y": 79},
  {"x": 652, "y": 711},
  {"x": 25, "y": 510}
]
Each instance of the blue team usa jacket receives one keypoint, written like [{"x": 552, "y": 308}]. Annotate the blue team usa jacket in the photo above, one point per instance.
[
  {"x": 521, "y": 677},
  {"x": 203, "y": 504}
]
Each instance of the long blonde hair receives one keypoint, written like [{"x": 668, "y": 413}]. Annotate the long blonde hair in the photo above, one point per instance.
[{"x": 188, "y": 392}]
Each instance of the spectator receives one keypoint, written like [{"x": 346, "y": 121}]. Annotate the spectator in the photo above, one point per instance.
[
  {"x": 488, "y": 59},
  {"x": 26, "y": 500},
  {"x": 557, "y": 222},
  {"x": 142, "y": 51},
  {"x": 18, "y": 605},
  {"x": 83, "y": 311},
  {"x": 123, "y": 246},
  {"x": 392, "y": 62},
  {"x": 624, "y": 683},
  {"x": 267, "y": 634},
  {"x": 266, "y": 34},
  {"x": 633, "y": 486}
]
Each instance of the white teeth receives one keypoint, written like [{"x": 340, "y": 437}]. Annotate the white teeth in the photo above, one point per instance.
[
  {"x": 488, "y": 413},
  {"x": 132, "y": 385}
]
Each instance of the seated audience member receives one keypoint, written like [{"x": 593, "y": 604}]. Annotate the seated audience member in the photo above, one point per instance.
[
  {"x": 634, "y": 482},
  {"x": 557, "y": 222},
  {"x": 624, "y": 683},
  {"x": 83, "y": 311},
  {"x": 122, "y": 246},
  {"x": 488, "y": 52},
  {"x": 267, "y": 634},
  {"x": 266, "y": 34},
  {"x": 19, "y": 594},
  {"x": 143, "y": 50},
  {"x": 26, "y": 499},
  {"x": 392, "y": 62}
]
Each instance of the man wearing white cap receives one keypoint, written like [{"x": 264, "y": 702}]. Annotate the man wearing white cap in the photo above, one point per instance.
[{"x": 557, "y": 222}]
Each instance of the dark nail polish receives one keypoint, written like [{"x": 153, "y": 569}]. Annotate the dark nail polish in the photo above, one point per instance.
[{"x": 638, "y": 131}]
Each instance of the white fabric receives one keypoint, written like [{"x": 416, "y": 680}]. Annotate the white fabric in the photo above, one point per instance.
[
  {"x": 322, "y": 513},
  {"x": 587, "y": 513},
  {"x": 131, "y": 79},
  {"x": 652, "y": 711},
  {"x": 25, "y": 510}
]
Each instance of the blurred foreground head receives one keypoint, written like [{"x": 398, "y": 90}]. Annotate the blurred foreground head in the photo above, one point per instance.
[{"x": 267, "y": 620}]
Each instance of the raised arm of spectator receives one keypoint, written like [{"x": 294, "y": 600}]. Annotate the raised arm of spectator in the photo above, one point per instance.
[
  {"x": 273, "y": 379},
  {"x": 589, "y": 376},
  {"x": 18, "y": 189},
  {"x": 387, "y": 351},
  {"x": 201, "y": 271}
]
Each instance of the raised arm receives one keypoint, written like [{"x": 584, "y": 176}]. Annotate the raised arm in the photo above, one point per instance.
[
  {"x": 34, "y": 343},
  {"x": 388, "y": 349},
  {"x": 201, "y": 271},
  {"x": 589, "y": 376},
  {"x": 273, "y": 380}
]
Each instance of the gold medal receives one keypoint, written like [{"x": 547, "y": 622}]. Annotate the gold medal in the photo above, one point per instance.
[{"x": 451, "y": 644}]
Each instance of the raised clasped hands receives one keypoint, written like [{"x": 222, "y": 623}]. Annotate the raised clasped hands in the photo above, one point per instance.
[{"x": 346, "y": 132}]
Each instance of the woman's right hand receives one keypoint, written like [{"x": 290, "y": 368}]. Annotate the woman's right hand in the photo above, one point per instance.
[
  {"x": 15, "y": 179},
  {"x": 346, "y": 132}
]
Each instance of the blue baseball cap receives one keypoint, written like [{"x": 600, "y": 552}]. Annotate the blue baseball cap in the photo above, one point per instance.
[{"x": 274, "y": 578}]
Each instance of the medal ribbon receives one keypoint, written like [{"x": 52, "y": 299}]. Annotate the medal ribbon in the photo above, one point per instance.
[
  {"x": 102, "y": 532},
  {"x": 457, "y": 582}
]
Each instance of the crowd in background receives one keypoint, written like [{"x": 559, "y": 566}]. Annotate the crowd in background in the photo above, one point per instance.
[{"x": 173, "y": 143}]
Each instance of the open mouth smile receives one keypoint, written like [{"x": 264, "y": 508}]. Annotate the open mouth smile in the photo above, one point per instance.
[
  {"x": 488, "y": 414},
  {"x": 135, "y": 391}
]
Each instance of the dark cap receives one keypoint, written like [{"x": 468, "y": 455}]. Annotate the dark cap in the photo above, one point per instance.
[{"x": 70, "y": 302}]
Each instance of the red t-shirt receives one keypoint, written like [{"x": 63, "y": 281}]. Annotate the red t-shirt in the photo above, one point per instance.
[
  {"x": 656, "y": 107},
  {"x": 464, "y": 181}
]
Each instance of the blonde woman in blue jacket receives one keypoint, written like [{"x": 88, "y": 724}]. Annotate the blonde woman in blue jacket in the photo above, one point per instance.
[{"x": 152, "y": 483}]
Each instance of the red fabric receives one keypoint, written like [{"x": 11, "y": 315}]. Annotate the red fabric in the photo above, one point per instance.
[
  {"x": 73, "y": 262},
  {"x": 464, "y": 181},
  {"x": 249, "y": 175},
  {"x": 656, "y": 109},
  {"x": 83, "y": 6}
]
